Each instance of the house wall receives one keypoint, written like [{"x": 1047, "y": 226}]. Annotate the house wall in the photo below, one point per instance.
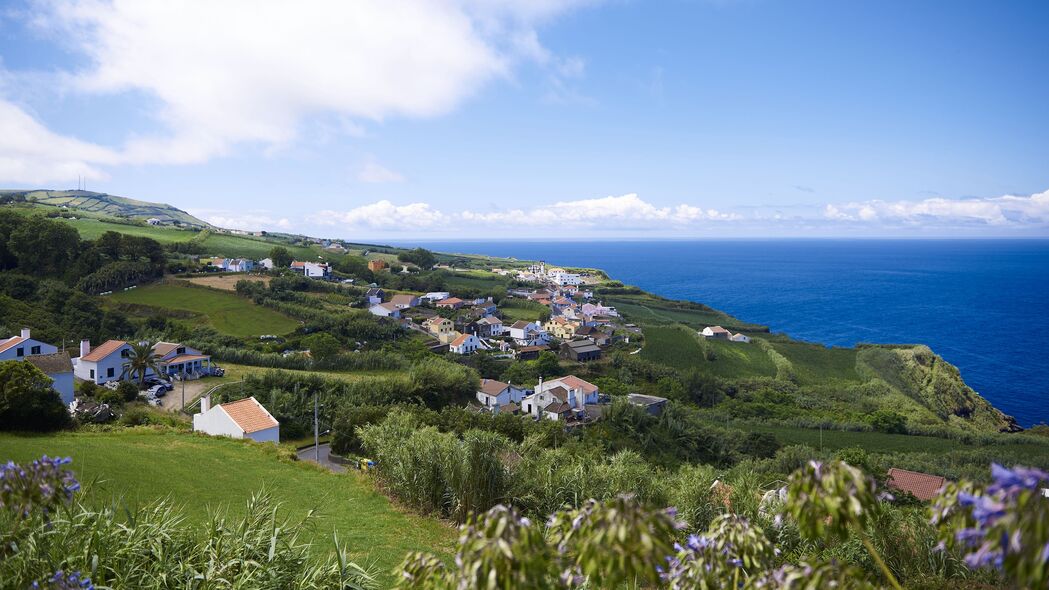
[
  {"x": 11, "y": 354},
  {"x": 217, "y": 422},
  {"x": 269, "y": 435},
  {"x": 63, "y": 384},
  {"x": 102, "y": 368}
]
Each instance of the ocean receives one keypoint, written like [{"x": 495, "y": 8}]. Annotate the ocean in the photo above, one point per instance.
[{"x": 981, "y": 304}]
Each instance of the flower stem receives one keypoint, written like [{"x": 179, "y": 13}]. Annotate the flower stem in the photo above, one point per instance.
[{"x": 878, "y": 560}]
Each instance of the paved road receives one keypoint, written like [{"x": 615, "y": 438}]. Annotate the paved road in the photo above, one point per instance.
[{"x": 308, "y": 454}]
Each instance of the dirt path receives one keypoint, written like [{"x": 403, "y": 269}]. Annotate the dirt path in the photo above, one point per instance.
[{"x": 172, "y": 402}]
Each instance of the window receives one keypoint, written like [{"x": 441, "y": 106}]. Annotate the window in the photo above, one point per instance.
[
  {"x": 92, "y": 374},
  {"x": 109, "y": 372},
  {"x": 181, "y": 350},
  {"x": 20, "y": 351},
  {"x": 35, "y": 350}
]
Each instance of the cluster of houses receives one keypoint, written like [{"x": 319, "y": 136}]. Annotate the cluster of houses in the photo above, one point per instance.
[
  {"x": 107, "y": 362},
  {"x": 313, "y": 270},
  {"x": 567, "y": 399},
  {"x": 582, "y": 327},
  {"x": 719, "y": 333}
]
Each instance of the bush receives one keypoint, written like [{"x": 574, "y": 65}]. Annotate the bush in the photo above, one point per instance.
[
  {"x": 109, "y": 396},
  {"x": 27, "y": 400},
  {"x": 127, "y": 391},
  {"x": 888, "y": 421}
]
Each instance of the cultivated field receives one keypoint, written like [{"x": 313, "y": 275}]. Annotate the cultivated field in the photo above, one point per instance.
[
  {"x": 227, "y": 312},
  {"x": 226, "y": 282}
]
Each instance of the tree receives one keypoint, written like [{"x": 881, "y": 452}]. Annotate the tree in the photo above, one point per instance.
[
  {"x": 44, "y": 247},
  {"x": 127, "y": 391},
  {"x": 888, "y": 421},
  {"x": 27, "y": 400},
  {"x": 547, "y": 365},
  {"x": 420, "y": 257},
  {"x": 323, "y": 346},
  {"x": 141, "y": 360},
  {"x": 281, "y": 257}
]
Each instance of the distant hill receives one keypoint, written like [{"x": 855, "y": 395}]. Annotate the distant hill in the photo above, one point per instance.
[{"x": 104, "y": 205}]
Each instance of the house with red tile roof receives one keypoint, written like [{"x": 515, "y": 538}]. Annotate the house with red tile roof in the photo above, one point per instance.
[
  {"x": 245, "y": 418},
  {"x": 18, "y": 347},
  {"x": 465, "y": 344},
  {"x": 106, "y": 362},
  {"x": 923, "y": 486}
]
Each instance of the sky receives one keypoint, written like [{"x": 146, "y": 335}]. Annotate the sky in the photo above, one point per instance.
[{"x": 437, "y": 119}]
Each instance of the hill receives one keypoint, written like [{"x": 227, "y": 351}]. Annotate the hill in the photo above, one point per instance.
[
  {"x": 204, "y": 474},
  {"x": 103, "y": 205}
]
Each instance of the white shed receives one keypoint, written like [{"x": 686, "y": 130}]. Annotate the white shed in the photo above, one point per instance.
[{"x": 245, "y": 418}]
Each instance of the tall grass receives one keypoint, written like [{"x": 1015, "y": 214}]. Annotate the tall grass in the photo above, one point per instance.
[{"x": 153, "y": 547}]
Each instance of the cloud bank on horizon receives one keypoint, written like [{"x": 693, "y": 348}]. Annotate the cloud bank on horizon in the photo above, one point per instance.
[
  {"x": 629, "y": 214},
  {"x": 200, "y": 82}
]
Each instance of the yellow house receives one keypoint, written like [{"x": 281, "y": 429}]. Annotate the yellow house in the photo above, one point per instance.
[
  {"x": 442, "y": 328},
  {"x": 561, "y": 328}
]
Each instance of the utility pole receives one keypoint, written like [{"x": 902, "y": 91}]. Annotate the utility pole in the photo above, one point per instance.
[
  {"x": 183, "y": 392},
  {"x": 316, "y": 432}
]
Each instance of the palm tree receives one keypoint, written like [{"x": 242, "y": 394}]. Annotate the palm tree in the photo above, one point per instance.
[{"x": 141, "y": 360}]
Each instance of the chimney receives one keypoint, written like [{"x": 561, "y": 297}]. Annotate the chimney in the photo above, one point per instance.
[
  {"x": 205, "y": 404},
  {"x": 25, "y": 333},
  {"x": 85, "y": 347}
]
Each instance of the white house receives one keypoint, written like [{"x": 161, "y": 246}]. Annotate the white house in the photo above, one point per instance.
[
  {"x": 436, "y": 296},
  {"x": 106, "y": 362},
  {"x": 563, "y": 278},
  {"x": 178, "y": 359},
  {"x": 313, "y": 270},
  {"x": 497, "y": 396},
  {"x": 465, "y": 344},
  {"x": 740, "y": 338},
  {"x": 582, "y": 391},
  {"x": 552, "y": 404},
  {"x": 386, "y": 310},
  {"x": 527, "y": 333},
  {"x": 59, "y": 368},
  {"x": 153, "y": 221},
  {"x": 599, "y": 309},
  {"x": 405, "y": 300},
  {"x": 245, "y": 418},
  {"x": 490, "y": 326},
  {"x": 716, "y": 332},
  {"x": 266, "y": 263},
  {"x": 18, "y": 347}
]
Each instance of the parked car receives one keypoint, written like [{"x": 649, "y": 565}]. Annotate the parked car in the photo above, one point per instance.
[
  {"x": 218, "y": 371},
  {"x": 157, "y": 390}
]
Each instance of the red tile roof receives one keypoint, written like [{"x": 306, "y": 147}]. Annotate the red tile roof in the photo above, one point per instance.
[
  {"x": 249, "y": 415},
  {"x": 493, "y": 387},
  {"x": 103, "y": 350},
  {"x": 11, "y": 342},
  {"x": 922, "y": 485}
]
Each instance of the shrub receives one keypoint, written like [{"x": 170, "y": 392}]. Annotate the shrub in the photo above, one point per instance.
[
  {"x": 27, "y": 400},
  {"x": 128, "y": 391},
  {"x": 888, "y": 421}
]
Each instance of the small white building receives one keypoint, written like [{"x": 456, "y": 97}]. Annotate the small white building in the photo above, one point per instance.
[
  {"x": 526, "y": 333},
  {"x": 18, "y": 347},
  {"x": 716, "y": 332},
  {"x": 153, "y": 221},
  {"x": 313, "y": 270},
  {"x": 59, "y": 368},
  {"x": 497, "y": 396},
  {"x": 405, "y": 300},
  {"x": 106, "y": 362},
  {"x": 266, "y": 263},
  {"x": 245, "y": 418},
  {"x": 436, "y": 296},
  {"x": 386, "y": 310},
  {"x": 740, "y": 338},
  {"x": 465, "y": 344},
  {"x": 563, "y": 278}
]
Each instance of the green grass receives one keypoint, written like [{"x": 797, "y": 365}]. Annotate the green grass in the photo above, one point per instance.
[
  {"x": 235, "y": 372},
  {"x": 814, "y": 363},
  {"x": 233, "y": 246},
  {"x": 678, "y": 346},
  {"x": 204, "y": 473},
  {"x": 91, "y": 229},
  {"x": 482, "y": 281},
  {"x": 227, "y": 312},
  {"x": 644, "y": 309},
  {"x": 515, "y": 309}
]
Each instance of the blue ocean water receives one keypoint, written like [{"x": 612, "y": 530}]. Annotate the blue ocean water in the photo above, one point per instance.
[{"x": 981, "y": 304}]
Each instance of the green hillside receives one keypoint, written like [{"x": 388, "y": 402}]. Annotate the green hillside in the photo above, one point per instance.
[
  {"x": 204, "y": 474},
  {"x": 101, "y": 204}
]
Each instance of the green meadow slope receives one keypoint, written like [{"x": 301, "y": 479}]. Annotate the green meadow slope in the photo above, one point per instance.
[
  {"x": 204, "y": 474},
  {"x": 101, "y": 204}
]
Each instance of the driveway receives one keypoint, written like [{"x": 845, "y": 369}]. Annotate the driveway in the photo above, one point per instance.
[
  {"x": 172, "y": 402},
  {"x": 308, "y": 454}
]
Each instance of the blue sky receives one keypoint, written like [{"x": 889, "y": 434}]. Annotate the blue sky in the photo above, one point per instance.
[{"x": 515, "y": 118}]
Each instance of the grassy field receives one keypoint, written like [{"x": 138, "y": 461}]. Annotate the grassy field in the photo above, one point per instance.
[
  {"x": 206, "y": 474},
  {"x": 679, "y": 347},
  {"x": 227, "y": 312},
  {"x": 484, "y": 281},
  {"x": 91, "y": 229},
  {"x": 643, "y": 309},
  {"x": 520, "y": 309},
  {"x": 814, "y": 363},
  {"x": 226, "y": 282},
  {"x": 235, "y": 372}
]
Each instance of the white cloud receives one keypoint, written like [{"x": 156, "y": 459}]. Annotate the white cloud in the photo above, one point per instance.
[
  {"x": 31, "y": 154},
  {"x": 384, "y": 215},
  {"x": 624, "y": 212},
  {"x": 252, "y": 71},
  {"x": 1004, "y": 211},
  {"x": 245, "y": 220},
  {"x": 375, "y": 173}
]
